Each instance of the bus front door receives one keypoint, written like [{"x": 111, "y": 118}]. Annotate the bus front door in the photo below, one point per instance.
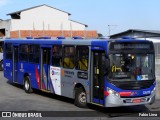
[
  {"x": 15, "y": 64},
  {"x": 45, "y": 64},
  {"x": 97, "y": 78}
]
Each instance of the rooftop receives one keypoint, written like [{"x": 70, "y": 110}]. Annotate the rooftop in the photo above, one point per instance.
[
  {"x": 18, "y": 12},
  {"x": 79, "y": 23},
  {"x": 155, "y": 33}
]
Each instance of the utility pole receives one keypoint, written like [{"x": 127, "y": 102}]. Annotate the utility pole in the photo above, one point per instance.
[{"x": 109, "y": 29}]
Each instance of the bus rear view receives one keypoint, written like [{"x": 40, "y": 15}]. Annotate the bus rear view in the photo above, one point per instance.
[{"x": 130, "y": 77}]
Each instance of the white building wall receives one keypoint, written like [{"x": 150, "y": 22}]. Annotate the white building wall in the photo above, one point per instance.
[
  {"x": 71, "y": 25},
  {"x": 44, "y": 18},
  {"x": 15, "y": 24}
]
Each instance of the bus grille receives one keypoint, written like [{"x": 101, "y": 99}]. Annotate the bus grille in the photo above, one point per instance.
[{"x": 133, "y": 85}]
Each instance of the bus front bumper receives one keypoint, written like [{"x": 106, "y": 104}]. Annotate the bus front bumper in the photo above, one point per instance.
[{"x": 115, "y": 101}]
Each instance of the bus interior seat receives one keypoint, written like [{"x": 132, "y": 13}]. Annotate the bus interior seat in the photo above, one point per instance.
[
  {"x": 68, "y": 63},
  {"x": 83, "y": 64}
]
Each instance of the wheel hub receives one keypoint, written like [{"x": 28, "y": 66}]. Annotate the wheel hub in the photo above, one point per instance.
[
  {"x": 26, "y": 85},
  {"x": 82, "y": 97}
]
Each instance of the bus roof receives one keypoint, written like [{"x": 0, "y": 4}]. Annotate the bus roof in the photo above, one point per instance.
[
  {"x": 68, "y": 41},
  {"x": 52, "y": 41}
]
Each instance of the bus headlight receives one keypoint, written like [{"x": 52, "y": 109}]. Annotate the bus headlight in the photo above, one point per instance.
[
  {"x": 153, "y": 90},
  {"x": 112, "y": 92}
]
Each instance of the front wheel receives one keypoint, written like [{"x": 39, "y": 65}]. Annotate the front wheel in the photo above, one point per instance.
[
  {"x": 80, "y": 98},
  {"x": 27, "y": 85}
]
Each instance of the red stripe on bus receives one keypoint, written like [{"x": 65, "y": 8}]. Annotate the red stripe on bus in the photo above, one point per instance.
[
  {"x": 125, "y": 93},
  {"x": 37, "y": 77},
  {"x": 106, "y": 93}
]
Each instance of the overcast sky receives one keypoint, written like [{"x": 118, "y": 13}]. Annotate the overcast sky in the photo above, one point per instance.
[{"x": 121, "y": 15}]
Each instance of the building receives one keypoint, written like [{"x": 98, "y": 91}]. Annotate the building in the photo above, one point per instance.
[
  {"x": 42, "y": 20},
  {"x": 142, "y": 34},
  {"x": 4, "y": 28}
]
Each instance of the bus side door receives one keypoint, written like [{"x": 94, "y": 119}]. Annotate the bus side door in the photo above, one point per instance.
[
  {"x": 15, "y": 64},
  {"x": 97, "y": 71},
  {"x": 44, "y": 69}
]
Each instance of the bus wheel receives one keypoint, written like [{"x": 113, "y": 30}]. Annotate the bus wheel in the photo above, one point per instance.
[
  {"x": 1, "y": 65},
  {"x": 80, "y": 98},
  {"x": 27, "y": 85}
]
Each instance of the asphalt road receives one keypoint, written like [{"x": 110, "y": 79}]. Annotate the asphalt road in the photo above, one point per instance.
[{"x": 13, "y": 98}]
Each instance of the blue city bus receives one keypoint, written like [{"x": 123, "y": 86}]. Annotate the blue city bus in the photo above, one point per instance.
[{"x": 106, "y": 73}]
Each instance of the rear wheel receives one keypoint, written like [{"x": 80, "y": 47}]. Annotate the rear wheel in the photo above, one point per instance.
[
  {"x": 27, "y": 85},
  {"x": 80, "y": 98}
]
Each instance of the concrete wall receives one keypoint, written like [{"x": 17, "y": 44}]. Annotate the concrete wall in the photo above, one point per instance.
[
  {"x": 44, "y": 18},
  {"x": 5, "y": 24}
]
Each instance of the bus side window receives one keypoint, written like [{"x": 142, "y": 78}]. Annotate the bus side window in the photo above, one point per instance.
[
  {"x": 68, "y": 60},
  {"x": 57, "y": 56},
  {"x": 23, "y": 53},
  {"x": 34, "y": 51},
  {"x": 82, "y": 55},
  {"x": 8, "y": 50}
]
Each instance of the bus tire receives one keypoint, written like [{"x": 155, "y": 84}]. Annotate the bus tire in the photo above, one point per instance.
[
  {"x": 1, "y": 65},
  {"x": 80, "y": 98},
  {"x": 27, "y": 85}
]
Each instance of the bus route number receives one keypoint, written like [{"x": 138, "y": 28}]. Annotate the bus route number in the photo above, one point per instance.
[{"x": 7, "y": 64}]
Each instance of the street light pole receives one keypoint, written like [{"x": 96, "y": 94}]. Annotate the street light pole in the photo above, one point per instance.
[{"x": 109, "y": 29}]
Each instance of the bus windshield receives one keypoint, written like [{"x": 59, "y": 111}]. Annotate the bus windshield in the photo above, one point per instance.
[{"x": 126, "y": 66}]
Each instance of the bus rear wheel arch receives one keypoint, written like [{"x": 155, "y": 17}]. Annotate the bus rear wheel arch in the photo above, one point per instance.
[
  {"x": 80, "y": 97},
  {"x": 27, "y": 85}
]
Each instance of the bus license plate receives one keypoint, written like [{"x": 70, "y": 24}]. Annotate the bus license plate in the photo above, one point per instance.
[{"x": 136, "y": 100}]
